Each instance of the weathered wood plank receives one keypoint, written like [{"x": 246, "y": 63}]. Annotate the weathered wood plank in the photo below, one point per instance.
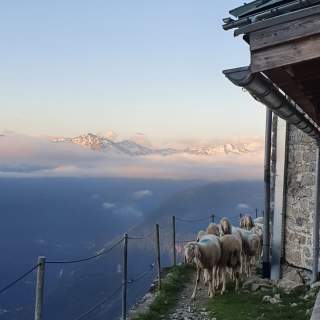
[
  {"x": 285, "y": 32},
  {"x": 285, "y": 54},
  {"x": 296, "y": 15},
  {"x": 293, "y": 89}
]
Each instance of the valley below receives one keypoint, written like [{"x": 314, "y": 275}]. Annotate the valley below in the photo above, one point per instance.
[{"x": 72, "y": 218}]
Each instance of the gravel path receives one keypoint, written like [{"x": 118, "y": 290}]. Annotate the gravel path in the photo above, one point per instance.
[{"x": 187, "y": 310}]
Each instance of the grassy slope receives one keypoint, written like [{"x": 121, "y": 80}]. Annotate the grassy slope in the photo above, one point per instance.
[
  {"x": 231, "y": 306},
  {"x": 249, "y": 306},
  {"x": 166, "y": 299}
]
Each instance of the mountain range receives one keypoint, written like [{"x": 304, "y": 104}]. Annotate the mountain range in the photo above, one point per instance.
[{"x": 132, "y": 148}]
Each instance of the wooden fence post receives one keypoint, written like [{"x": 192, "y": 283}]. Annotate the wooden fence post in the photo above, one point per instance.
[
  {"x": 174, "y": 240},
  {"x": 212, "y": 218},
  {"x": 158, "y": 256},
  {"x": 39, "y": 288},
  {"x": 125, "y": 277},
  {"x": 256, "y": 212}
]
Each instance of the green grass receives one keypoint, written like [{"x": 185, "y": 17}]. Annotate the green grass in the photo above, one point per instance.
[
  {"x": 249, "y": 306},
  {"x": 166, "y": 299},
  {"x": 230, "y": 306}
]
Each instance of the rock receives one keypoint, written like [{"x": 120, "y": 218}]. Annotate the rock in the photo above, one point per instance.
[
  {"x": 277, "y": 296},
  {"x": 255, "y": 286},
  {"x": 295, "y": 276},
  {"x": 289, "y": 286},
  {"x": 266, "y": 299},
  {"x": 274, "y": 301},
  {"x": 315, "y": 285},
  {"x": 293, "y": 305}
]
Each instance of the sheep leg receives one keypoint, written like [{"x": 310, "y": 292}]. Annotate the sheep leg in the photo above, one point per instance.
[
  {"x": 217, "y": 277},
  {"x": 247, "y": 266},
  {"x": 197, "y": 283},
  {"x": 237, "y": 279},
  {"x": 223, "y": 281},
  {"x": 205, "y": 277},
  {"x": 214, "y": 278},
  {"x": 210, "y": 292},
  {"x": 250, "y": 266}
]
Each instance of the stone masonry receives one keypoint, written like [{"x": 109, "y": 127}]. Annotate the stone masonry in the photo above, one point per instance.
[{"x": 300, "y": 202}]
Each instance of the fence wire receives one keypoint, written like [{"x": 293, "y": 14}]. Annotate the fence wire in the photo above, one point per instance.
[
  {"x": 99, "y": 304},
  {"x": 142, "y": 237},
  {"x": 142, "y": 274},
  {"x": 89, "y": 258},
  {"x": 105, "y": 300},
  {"x": 11, "y": 284},
  {"x": 194, "y": 219}
]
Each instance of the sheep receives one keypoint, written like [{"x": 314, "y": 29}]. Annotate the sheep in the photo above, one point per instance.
[
  {"x": 213, "y": 228},
  {"x": 258, "y": 220},
  {"x": 230, "y": 258},
  {"x": 242, "y": 223},
  {"x": 206, "y": 254},
  {"x": 225, "y": 226},
  {"x": 201, "y": 233},
  {"x": 251, "y": 246},
  {"x": 246, "y": 222}
]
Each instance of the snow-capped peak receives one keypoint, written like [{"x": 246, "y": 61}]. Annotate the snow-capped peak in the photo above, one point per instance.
[{"x": 143, "y": 147}]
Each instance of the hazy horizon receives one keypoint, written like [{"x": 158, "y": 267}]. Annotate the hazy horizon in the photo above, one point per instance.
[{"x": 27, "y": 156}]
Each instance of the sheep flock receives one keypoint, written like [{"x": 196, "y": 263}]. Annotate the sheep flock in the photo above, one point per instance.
[{"x": 225, "y": 251}]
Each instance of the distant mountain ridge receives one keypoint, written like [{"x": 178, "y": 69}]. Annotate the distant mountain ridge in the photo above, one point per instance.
[{"x": 132, "y": 148}]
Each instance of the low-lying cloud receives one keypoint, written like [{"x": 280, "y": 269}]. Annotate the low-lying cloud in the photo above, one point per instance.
[
  {"x": 108, "y": 205},
  {"x": 24, "y": 156},
  {"x": 243, "y": 206},
  {"x": 142, "y": 194}
]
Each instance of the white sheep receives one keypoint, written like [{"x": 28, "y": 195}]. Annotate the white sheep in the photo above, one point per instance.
[
  {"x": 225, "y": 226},
  {"x": 206, "y": 254},
  {"x": 213, "y": 228},
  {"x": 251, "y": 246},
  {"x": 230, "y": 259},
  {"x": 201, "y": 233},
  {"x": 246, "y": 222}
]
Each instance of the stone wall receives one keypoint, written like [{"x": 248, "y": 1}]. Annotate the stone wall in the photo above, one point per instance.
[{"x": 300, "y": 204}]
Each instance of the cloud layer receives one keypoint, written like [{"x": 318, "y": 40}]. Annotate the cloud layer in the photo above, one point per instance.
[{"x": 24, "y": 156}]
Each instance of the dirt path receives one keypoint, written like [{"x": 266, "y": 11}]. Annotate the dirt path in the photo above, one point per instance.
[{"x": 187, "y": 310}]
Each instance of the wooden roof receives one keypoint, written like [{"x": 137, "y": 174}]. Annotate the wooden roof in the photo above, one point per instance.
[{"x": 286, "y": 48}]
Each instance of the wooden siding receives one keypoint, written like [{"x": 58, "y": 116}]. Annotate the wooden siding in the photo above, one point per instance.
[{"x": 285, "y": 54}]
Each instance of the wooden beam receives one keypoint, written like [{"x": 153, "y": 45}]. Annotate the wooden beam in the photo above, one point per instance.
[
  {"x": 285, "y": 32},
  {"x": 285, "y": 54},
  {"x": 286, "y": 81}
]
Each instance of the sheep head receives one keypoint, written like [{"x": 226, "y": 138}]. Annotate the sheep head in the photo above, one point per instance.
[
  {"x": 225, "y": 226},
  {"x": 248, "y": 222},
  {"x": 191, "y": 251}
]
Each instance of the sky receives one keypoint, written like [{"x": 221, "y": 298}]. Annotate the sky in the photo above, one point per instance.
[{"x": 77, "y": 66}]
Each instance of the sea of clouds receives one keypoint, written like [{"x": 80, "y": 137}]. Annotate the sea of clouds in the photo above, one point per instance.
[{"x": 26, "y": 156}]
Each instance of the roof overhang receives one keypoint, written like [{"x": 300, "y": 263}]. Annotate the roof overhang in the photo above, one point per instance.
[
  {"x": 265, "y": 91},
  {"x": 284, "y": 42}
]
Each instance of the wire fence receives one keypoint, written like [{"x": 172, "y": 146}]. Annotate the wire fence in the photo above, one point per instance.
[
  {"x": 18, "y": 279},
  {"x": 100, "y": 304},
  {"x": 40, "y": 266},
  {"x": 105, "y": 251}
]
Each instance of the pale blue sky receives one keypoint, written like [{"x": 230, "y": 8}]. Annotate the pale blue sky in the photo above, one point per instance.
[{"x": 153, "y": 66}]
